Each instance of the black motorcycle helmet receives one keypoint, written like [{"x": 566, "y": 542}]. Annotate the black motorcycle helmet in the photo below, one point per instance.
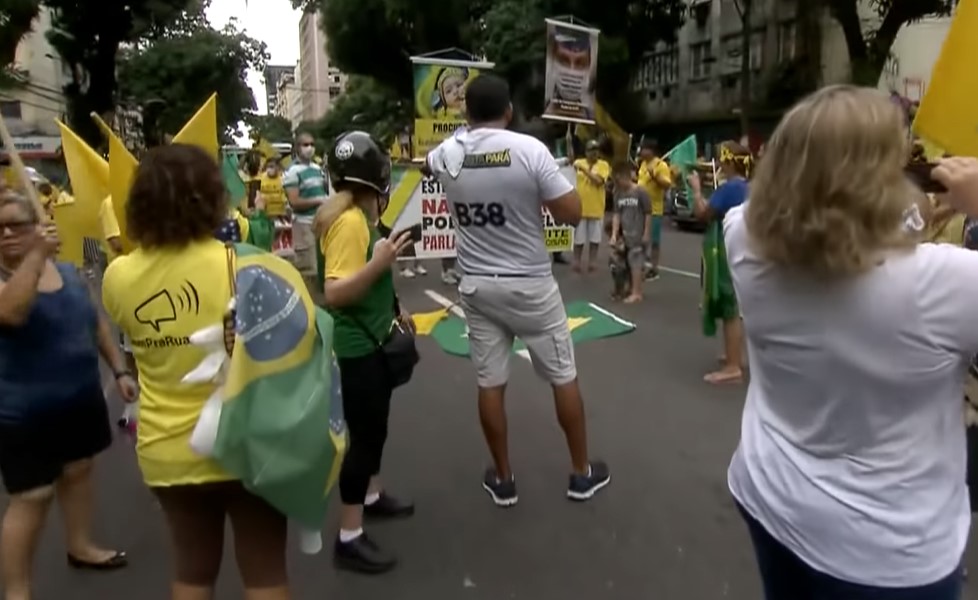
[{"x": 357, "y": 158}]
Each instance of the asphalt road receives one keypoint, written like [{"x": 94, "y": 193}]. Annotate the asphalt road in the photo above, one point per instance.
[{"x": 666, "y": 527}]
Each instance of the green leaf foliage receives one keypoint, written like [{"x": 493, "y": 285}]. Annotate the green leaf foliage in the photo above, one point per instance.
[
  {"x": 16, "y": 17},
  {"x": 184, "y": 70},
  {"x": 272, "y": 128},
  {"x": 366, "y": 105}
]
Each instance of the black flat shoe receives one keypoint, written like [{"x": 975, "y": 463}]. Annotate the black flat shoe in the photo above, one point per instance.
[
  {"x": 116, "y": 561},
  {"x": 388, "y": 507}
]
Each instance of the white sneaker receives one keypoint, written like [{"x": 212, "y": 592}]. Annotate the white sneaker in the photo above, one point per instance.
[
  {"x": 449, "y": 277},
  {"x": 420, "y": 270},
  {"x": 407, "y": 273}
]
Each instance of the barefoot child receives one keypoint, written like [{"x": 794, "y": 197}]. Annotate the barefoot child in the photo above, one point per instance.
[{"x": 632, "y": 225}]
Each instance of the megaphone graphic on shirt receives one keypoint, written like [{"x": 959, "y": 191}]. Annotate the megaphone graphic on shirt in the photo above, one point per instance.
[{"x": 163, "y": 306}]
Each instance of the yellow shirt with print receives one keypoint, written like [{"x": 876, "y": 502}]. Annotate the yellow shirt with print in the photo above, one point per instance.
[
  {"x": 273, "y": 193},
  {"x": 109, "y": 225},
  {"x": 159, "y": 297},
  {"x": 591, "y": 193},
  {"x": 648, "y": 172}
]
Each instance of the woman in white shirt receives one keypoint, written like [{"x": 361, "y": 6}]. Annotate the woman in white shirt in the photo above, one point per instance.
[{"x": 851, "y": 466}]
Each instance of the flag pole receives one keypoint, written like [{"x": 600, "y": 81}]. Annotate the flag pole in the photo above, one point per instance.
[{"x": 19, "y": 168}]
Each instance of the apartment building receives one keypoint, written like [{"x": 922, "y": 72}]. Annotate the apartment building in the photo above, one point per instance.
[
  {"x": 30, "y": 112},
  {"x": 33, "y": 109},
  {"x": 288, "y": 99},
  {"x": 321, "y": 84},
  {"x": 695, "y": 83},
  {"x": 273, "y": 75}
]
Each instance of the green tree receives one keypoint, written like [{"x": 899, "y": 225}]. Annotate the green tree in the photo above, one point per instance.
[
  {"x": 270, "y": 127},
  {"x": 88, "y": 36},
  {"x": 376, "y": 38},
  {"x": 183, "y": 70},
  {"x": 16, "y": 19},
  {"x": 870, "y": 49},
  {"x": 367, "y": 105}
]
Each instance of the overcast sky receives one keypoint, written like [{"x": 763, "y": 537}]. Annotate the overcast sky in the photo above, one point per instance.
[{"x": 271, "y": 21}]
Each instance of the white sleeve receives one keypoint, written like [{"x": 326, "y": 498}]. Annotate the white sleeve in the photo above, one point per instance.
[
  {"x": 551, "y": 183},
  {"x": 948, "y": 292}
]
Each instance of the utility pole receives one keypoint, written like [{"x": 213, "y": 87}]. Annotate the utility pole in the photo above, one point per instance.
[{"x": 745, "y": 9}]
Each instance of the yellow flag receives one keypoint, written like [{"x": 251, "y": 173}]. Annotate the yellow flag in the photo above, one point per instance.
[
  {"x": 948, "y": 115},
  {"x": 122, "y": 169},
  {"x": 425, "y": 322},
  {"x": 89, "y": 175},
  {"x": 201, "y": 129},
  {"x": 619, "y": 138},
  {"x": 267, "y": 151}
]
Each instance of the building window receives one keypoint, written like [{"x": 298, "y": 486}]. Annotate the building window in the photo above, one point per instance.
[
  {"x": 658, "y": 69},
  {"x": 10, "y": 109},
  {"x": 700, "y": 60},
  {"x": 732, "y": 52},
  {"x": 335, "y": 90},
  {"x": 787, "y": 41}
]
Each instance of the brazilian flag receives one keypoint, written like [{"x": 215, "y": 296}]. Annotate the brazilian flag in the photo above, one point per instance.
[
  {"x": 718, "y": 299},
  {"x": 281, "y": 428}
]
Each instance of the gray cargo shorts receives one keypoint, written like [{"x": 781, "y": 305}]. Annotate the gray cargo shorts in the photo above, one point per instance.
[{"x": 499, "y": 310}]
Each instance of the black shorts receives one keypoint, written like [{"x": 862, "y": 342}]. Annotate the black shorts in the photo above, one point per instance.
[{"x": 33, "y": 453}]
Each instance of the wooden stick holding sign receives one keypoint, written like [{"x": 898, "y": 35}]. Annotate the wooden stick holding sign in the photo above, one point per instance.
[{"x": 20, "y": 169}]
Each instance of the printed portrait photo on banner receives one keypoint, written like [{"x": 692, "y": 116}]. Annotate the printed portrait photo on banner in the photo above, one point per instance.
[
  {"x": 572, "y": 68},
  {"x": 439, "y": 99}
]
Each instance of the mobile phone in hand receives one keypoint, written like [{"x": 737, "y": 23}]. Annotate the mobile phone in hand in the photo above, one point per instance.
[
  {"x": 415, "y": 232},
  {"x": 920, "y": 174}
]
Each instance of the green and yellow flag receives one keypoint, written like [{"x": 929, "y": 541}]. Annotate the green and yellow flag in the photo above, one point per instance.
[
  {"x": 718, "y": 301},
  {"x": 281, "y": 427},
  {"x": 586, "y": 320}
]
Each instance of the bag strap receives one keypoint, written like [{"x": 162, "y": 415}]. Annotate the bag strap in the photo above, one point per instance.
[{"x": 229, "y": 318}]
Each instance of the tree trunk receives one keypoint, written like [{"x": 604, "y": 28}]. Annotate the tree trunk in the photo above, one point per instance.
[{"x": 746, "y": 8}]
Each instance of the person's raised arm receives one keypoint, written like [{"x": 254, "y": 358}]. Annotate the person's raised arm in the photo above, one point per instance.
[
  {"x": 349, "y": 274},
  {"x": 18, "y": 292},
  {"x": 662, "y": 175},
  {"x": 950, "y": 280},
  {"x": 556, "y": 193}
]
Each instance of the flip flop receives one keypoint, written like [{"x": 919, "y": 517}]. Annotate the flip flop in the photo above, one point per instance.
[
  {"x": 116, "y": 561},
  {"x": 721, "y": 378}
]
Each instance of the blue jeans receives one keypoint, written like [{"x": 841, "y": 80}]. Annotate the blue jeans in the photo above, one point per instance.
[{"x": 787, "y": 577}]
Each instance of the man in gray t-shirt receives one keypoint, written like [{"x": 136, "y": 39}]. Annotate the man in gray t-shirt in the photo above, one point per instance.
[
  {"x": 497, "y": 182},
  {"x": 632, "y": 225}
]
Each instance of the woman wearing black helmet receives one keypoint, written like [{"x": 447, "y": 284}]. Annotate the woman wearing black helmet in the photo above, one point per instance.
[{"x": 359, "y": 290}]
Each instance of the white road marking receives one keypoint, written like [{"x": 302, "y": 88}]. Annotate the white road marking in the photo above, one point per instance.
[
  {"x": 680, "y": 272},
  {"x": 456, "y": 310}
]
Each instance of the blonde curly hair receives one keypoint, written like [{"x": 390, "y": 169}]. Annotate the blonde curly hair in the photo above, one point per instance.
[{"x": 830, "y": 196}]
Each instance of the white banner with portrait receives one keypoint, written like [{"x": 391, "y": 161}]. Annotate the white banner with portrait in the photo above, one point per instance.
[{"x": 572, "y": 72}]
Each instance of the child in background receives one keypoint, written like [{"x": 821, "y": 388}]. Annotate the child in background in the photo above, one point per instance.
[
  {"x": 620, "y": 273},
  {"x": 631, "y": 225}
]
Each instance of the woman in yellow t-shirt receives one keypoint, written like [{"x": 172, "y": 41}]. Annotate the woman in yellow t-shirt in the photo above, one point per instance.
[
  {"x": 173, "y": 284},
  {"x": 272, "y": 191}
]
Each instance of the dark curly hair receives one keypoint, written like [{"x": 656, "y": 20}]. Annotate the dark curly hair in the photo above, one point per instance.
[{"x": 177, "y": 197}]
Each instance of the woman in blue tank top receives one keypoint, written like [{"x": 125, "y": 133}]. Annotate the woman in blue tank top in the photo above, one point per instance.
[{"x": 53, "y": 417}]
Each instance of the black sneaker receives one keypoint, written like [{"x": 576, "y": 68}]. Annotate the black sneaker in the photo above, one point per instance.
[
  {"x": 652, "y": 275},
  {"x": 388, "y": 507},
  {"x": 584, "y": 487},
  {"x": 363, "y": 556},
  {"x": 503, "y": 493}
]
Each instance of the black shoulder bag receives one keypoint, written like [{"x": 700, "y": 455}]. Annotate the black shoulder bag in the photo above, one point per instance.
[{"x": 399, "y": 351}]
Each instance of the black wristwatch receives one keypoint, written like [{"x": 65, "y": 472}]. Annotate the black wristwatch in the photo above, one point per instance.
[{"x": 123, "y": 373}]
